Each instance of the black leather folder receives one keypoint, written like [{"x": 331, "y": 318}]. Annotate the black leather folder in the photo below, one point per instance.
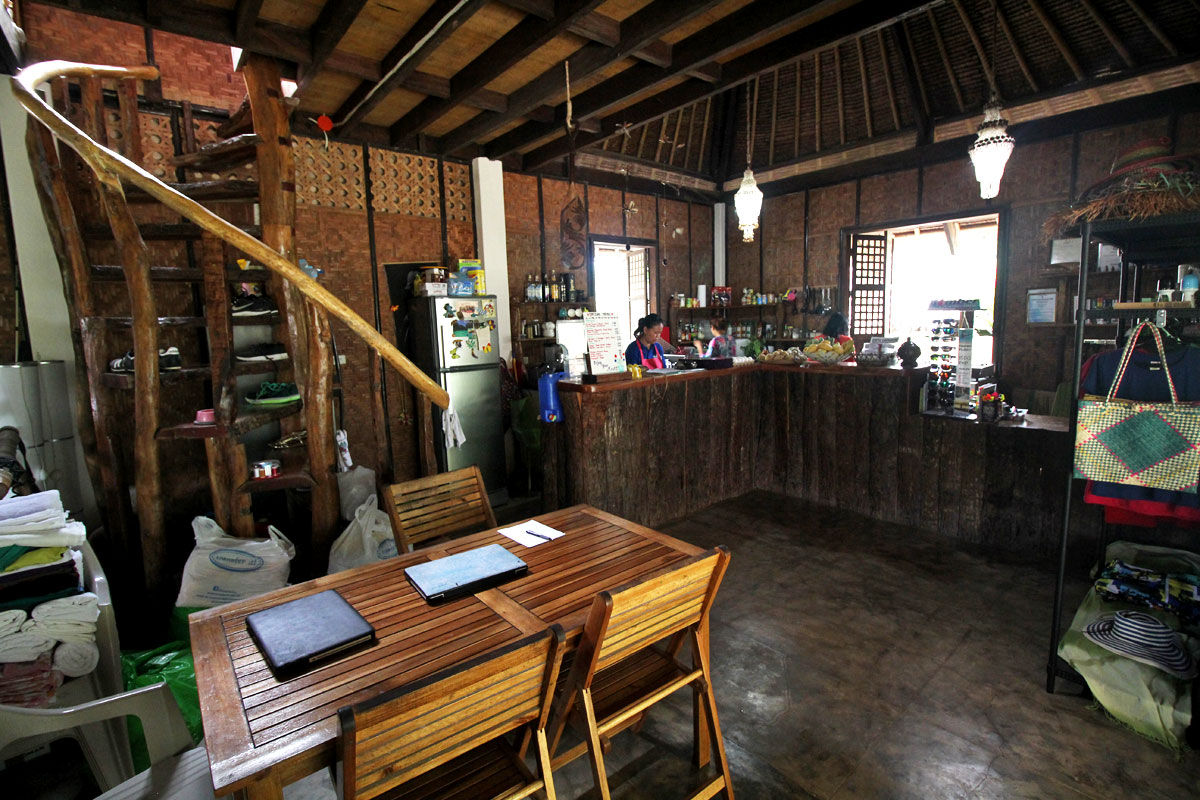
[{"x": 301, "y": 632}]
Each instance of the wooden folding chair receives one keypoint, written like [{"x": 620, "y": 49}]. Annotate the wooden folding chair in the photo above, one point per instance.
[
  {"x": 453, "y": 502},
  {"x": 618, "y": 672},
  {"x": 444, "y": 737}
]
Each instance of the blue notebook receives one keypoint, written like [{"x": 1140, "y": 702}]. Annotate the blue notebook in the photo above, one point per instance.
[{"x": 464, "y": 573}]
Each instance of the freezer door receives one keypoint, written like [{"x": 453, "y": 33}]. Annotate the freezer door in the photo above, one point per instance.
[
  {"x": 475, "y": 396},
  {"x": 466, "y": 331}
]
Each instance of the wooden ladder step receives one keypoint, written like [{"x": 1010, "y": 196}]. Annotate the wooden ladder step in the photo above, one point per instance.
[
  {"x": 229, "y": 191},
  {"x": 163, "y": 322},
  {"x": 115, "y": 272},
  {"x": 162, "y": 231},
  {"x": 217, "y": 156},
  {"x": 253, "y": 417},
  {"x": 124, "y": 380}
]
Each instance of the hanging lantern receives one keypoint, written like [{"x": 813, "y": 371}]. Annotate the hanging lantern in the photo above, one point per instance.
[
  {"x": 748, "y": 203},
  {"x": 991, "y": 149}
]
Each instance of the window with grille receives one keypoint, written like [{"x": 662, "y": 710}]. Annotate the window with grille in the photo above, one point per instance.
[{"x": 868, "y": 285}]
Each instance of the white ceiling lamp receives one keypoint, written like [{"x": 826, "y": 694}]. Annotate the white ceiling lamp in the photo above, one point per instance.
[
  {"x": 993, "y": 144},
  {"x": 991, "y": 149},
  {"x": 748, "y": 200}
]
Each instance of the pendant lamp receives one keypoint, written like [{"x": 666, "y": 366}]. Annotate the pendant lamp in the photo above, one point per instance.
[
  {"x": 991, "y": 149},
  {"x": 748, "y": 200}
]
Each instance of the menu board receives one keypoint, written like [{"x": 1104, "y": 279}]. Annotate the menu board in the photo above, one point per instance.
[{"x": 606, "y": 350}]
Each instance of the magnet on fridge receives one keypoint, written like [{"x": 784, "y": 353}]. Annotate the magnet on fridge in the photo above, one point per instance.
[{"x": 448, "y": 311}]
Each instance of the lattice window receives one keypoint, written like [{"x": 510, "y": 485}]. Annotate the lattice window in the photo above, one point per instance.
[{"x": 868, "y": 286}]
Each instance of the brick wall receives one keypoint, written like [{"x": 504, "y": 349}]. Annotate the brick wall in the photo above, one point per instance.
[
  {"x": 194, "y": 70},
  {"x": 1037, "y": 182}
]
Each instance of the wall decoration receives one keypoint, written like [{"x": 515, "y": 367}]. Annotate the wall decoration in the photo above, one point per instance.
[
  {"x": 403, "y": 183},
  {"x": 457, "y": 180},
  {"x": 331, "y": 176},
  {"x": 573, "y": 234}
]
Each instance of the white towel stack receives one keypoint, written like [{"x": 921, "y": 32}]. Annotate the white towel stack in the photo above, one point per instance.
[
  {"x": 38, "y": 520},
  {"x": 74, "y": 659},
  {"x": 67, "y": 619},
  {"x": 10, "y": 621},
  {"x": 23, "y": 646}
]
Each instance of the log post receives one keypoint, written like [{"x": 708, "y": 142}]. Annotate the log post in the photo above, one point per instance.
[{"x": 426, "y": 457}]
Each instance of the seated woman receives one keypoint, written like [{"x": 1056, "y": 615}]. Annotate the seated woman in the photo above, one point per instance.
[
  {"x": 722, "y": 344},
  {"x": 837, "y": 330},
  {"x": 646, "y": 349}
]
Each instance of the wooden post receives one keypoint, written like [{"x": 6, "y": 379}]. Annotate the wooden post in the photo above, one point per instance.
[
  {"x": 426, "y": 457},
  {"x": 135, "y": 259}
]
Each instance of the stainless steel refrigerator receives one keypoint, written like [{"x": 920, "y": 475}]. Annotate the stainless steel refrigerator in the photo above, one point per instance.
[{"x": 456, "y": 343}]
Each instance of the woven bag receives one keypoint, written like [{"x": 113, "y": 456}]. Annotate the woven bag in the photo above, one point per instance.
[{"x": 1139, "y": 443}]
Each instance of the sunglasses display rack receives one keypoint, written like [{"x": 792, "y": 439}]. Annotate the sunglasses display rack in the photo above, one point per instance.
[{"x": 950, "y": 382}]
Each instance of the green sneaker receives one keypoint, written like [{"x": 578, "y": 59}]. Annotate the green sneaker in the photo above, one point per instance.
[{"x": 270, "y": 394}]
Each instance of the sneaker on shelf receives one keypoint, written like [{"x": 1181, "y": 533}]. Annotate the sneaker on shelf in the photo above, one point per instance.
[
  {"x": 270, "y": 394},
  {"x": 271, "y": 351},
  {"x": 297, "y": 439},
  {"x": 253, "y": 305},
  {"x": 168, "y": 360}
]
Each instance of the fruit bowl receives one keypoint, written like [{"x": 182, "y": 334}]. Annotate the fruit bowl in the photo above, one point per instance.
[
  {"x": 828, "y": 356},
  {"x": 876, "y": 360}
]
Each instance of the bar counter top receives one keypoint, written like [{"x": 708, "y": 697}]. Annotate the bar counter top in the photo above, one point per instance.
[{"x": 577, "y": 385}]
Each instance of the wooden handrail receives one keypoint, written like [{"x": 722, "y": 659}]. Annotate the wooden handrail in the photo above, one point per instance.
[{"x": 111, "y": 167}]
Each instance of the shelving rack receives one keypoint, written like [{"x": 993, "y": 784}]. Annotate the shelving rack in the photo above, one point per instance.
[
  {"x": 1169, "y": 239},
  {"x": 675, "y": 313}
]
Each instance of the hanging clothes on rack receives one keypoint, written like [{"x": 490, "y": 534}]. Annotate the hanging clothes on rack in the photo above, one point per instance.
[{"x": 1139, "y": 505}]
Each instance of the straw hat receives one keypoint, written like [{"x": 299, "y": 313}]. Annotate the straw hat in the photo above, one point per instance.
[
  {"x": 1143, "y": 638},
  {"x": 1145, "y": 160}
]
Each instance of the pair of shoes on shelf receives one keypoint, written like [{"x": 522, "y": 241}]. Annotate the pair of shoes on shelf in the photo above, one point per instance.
[
  {"x": 297, "y": 439},
  {"x": 270, "y": 394},
  {"x": 252, "y": 305},
  {"x": 271, "y": 351},
  {"x": 168, "y": 361}
]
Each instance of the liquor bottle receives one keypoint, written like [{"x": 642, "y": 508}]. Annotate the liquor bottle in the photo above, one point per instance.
[
  {"x": 555, "y": 288},
  {"x": 569, "y": 282},
  {"x": 529, "y": 287}
]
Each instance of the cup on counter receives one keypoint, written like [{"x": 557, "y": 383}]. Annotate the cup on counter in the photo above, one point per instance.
[{"x": 637, "y": 370}]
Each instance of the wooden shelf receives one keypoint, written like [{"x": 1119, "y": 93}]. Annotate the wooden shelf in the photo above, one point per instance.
[
  {"x": 250, "y": 417},
  {"x": 124, "y": 380},
  {"x": 203, "y": 191},
  {"x": 261, "y": 319},
  {"x": 221, "y": 155},
  {"x": 190, "y": 430},
  {"x": 163, "y": 322},
  {"x": 163, "y": 231},
  {"x": 115, "y": 272},
  {"x": 725, "y": 308},
  {"x": 535, "y": 339},
  {"x": 298, "y": 478}
]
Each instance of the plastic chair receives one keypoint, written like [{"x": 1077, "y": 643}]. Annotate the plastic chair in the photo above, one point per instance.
[{"x": 105, "y": 743}]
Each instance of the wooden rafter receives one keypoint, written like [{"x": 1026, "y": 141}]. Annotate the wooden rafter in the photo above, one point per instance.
[
  {"x": 1153, "y": 26},
  {"x": 524, "y": 39},
  {"x": 642, "y": 140},
  {"x": 916, "y": 85},
  {"x": 662, "y": 132},
  {"x": 796, "y": 117},
  {"x": 644, "y": 26},
  {"x": 331, "y": 25},
  {"x": 837, "y": 73},
  {"x": 984, "y": 60},
  {"x": 721, "y": 38},
  {"x": 675, "y": 137},
  {"x": 245, "y": 15},
  {"x": 774, "y": 117},
  {"x": 817, "y": 95},
  {"x": 866, "y": 90},
  {"x": 1057, "y": 37},
  {"x": 1002, "y": 22},
  {"x": 703, "y": 135},
  {"x": 887, "y": 79},
  {"x": 941, "y": 46},
  {"x": 429, "y": 32},
  {"x": 687, "y": 151},
  {"x": 1108, "y": 32}
]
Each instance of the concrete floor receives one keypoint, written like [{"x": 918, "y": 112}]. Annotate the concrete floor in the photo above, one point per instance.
[{"x": 854, "y": 659}]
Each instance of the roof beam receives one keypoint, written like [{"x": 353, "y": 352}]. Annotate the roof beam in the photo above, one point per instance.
[
  {"x": 887, "y": 79},
  {"x": 703, "y": 47},
  {"x": 245, "y": 15},
  {"x": 916, "y": 86},
  {"x": 941, "y": 46},
  {"x": 1055, "y": 36},
  {"x": 1002, "y": 21},
  {"x": 331, "y": 25},
  {"x": 1108, "y": 32},
  {"x": 429, "y": 32},
  {"x": 1153, "y": 26},
  {"x": 866, "y": 89},
  {"x": 821, "y": 34},
  {"x": 639, "y": 29},
  {"x": 525, "y": 38},
  {"x": 988, "y": 72}
]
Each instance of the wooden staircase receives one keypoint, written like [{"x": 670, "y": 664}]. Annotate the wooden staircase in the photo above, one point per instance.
[{"x": 89, "y": 195}]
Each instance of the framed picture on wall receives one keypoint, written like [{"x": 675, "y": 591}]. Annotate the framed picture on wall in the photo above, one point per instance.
[{"x": 1041, "y": 306}]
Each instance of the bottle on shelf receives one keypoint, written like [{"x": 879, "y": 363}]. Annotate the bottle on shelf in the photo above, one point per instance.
[
  {"x": 569, "y": 284},
  {"x": 530, "y": 287},
  {"x": 555, "y": 288}
]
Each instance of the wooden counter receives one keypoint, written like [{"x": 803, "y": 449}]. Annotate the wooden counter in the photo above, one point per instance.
[{"x": 659, "y": 448}]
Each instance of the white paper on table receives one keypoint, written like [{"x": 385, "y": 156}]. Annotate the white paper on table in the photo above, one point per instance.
[{"x": 520, "y": 535}]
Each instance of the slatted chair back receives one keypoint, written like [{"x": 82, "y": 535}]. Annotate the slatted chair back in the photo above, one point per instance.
[
  {"x": 452, "y": 502},
  {"x": 626, "y": 620},
  {"x": 413, "y": 729}
]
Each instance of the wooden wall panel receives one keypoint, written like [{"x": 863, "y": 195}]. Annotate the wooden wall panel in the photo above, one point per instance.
[
  {"x": 949, "y": 187},
  {"x": 891, "y": 196},
  {"x": 741, "y": 258},
  {"x": 604, "y": 211},
  {"x": 641, "y": 225},
  {"x": 702, "y": 244}
]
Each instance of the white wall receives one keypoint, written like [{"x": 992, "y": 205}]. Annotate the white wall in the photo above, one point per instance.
[
  {"x": 41, "y": 280},
  {"x": 491, "y": 241}
]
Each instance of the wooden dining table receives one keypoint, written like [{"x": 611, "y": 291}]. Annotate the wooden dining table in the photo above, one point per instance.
[{"x": 263, "y": 732}]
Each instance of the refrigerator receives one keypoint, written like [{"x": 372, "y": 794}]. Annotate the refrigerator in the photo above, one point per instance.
[{"x": 456, "y": 343}]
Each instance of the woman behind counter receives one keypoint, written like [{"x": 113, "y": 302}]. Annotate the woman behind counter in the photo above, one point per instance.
[
  {"x": 722, "y": 344},
  {"x": 646, "y": 349}
]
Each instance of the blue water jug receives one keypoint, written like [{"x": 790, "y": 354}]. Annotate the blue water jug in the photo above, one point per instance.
[{"x": 548, "y": 397}]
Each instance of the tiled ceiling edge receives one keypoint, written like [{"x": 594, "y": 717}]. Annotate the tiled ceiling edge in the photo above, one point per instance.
[
  {"x": 882, "y": 147},
  {"x": 638, "y": 170}
]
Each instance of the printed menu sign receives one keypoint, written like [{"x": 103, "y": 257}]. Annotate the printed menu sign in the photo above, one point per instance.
[{"x": 605, "y": 349}]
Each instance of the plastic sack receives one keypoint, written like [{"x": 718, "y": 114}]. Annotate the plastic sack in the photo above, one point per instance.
[
  {"x": 355, "y": 486},
  {"x": 172, "y": 664},
  {"x": 367, "y": 539},
  {"x": 222, "y": 569}
]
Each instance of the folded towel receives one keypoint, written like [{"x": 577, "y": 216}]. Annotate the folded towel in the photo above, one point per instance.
[
  {"x": 11, "y": 553},
  {"x": 30, "y": 683},
  {"x": 70, "y": 534},
  {"x": 64, "y": 574},
  {"x": 74, "y": 658},
  {"x": 36, "y": 557},
  {"x": 77, "y": 608},
  {"x": 10, "y": 621},
  {"x": 62, "y": 631},
  {"x": 23, "y": 646}
]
